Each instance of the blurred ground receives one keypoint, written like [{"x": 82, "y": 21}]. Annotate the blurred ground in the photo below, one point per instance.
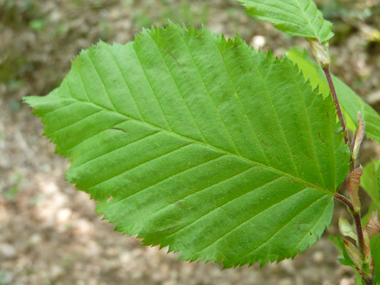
[{"x": 49, "y": 232}]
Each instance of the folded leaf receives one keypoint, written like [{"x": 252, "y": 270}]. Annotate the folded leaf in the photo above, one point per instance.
[
  {"x": 373, "y": 225},
  {"x": 200, "y": 144},
  {"x": 299, "y": 18},
  {"x": 349, "y": 101},
  {"x": 346, "y": 229},
  {"x": 339, "y": 244},
  {"x": 353, "y": 184}
]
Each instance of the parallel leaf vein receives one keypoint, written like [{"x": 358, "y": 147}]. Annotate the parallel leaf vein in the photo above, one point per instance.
[
  {"x": 76, "y": 122},
  {"x": 154, "y": 92},
  {"x": 115, "y": 149},
  {"x": 242, "y": 106},
  {"x": 264, "y": 243},
  {"x": 307, "y": 232},
  {"x": 125, "y": 80},
  {"x": 101, "y": 80},
  {"x": 209, "y": 94},
  {"x": 179, "y": 173},
  {"x": 250, "y": 218},
  {"x": 275, "y": 112},
  {"x": 179, "y": 90},
  {"x": 160, "y": 156},
  {"x": 213, "y": 147},
  {"x": 228, "y": 202}
]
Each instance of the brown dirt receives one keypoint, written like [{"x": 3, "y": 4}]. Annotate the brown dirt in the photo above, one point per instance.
[{"x": 49, "y": 232}]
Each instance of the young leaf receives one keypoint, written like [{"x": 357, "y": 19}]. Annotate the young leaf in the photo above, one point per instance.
[
  {"x": 373, "y": 225},
  {"x": 299, "y": 18},
  {"x": 353, "y": 184},
  {"x": 370, "y": 182},
  {"x": 353, "y": 252},
  {"x": 346, "y": 229},
  {"x": 205, "y": 145},
  {"x": 349, "y": 101},
  {"x": 338, "y": 242}
]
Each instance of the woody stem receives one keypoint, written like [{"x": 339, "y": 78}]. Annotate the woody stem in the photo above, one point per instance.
[{"x": 326, "y": 69}]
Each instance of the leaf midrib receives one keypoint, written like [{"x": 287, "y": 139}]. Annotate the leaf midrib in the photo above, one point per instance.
[
  {"x": 206, "y": 145},
  {"x": 303, "y": 12}
]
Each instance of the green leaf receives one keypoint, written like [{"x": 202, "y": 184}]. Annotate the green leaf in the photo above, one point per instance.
[
  {"x": 338, "y": 242},
  {"x": 349, "y": 101},
  {"x": 370, "y": 182},
  {"x": 200, "y": 144},
  {"x": 375, "y": 252},
  {"x": 299, "y": 18}
]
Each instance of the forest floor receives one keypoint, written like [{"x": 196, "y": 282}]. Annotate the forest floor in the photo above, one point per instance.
[{"x": 49, "y": 232}]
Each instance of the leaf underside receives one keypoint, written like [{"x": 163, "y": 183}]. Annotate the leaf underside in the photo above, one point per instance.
[
  {"x": 204, "y": 145},
  {"x": 349, "y": 101},
  {"x": 299, "y": 18}
]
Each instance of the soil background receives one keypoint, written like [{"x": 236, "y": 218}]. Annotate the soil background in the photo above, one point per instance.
[{"x": 49, "y": 232}]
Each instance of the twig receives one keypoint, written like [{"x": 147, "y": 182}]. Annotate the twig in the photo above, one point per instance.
[{"x": 337, "y": 105}]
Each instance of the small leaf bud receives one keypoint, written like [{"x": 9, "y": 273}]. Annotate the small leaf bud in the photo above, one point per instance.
[
  {"x": 320, "y": 52},
  {"x": 353, "y": 253},
  {"x": 373, "y": 225},
  {"x": 346, "y": 229},
  {"x": 358, "y": 137},
  {"x": 353, "y": 187}
]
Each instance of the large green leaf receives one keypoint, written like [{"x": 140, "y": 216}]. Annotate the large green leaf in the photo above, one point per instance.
[
  {"x": 349, "y": 101},
  {"x": 370, "y": 182},
  {"x": 299, "y": 18},
  {"x": 200, "y": 144}
]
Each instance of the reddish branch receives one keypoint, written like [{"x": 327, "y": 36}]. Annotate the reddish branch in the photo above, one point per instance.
[{"x": 337, "y": 105}]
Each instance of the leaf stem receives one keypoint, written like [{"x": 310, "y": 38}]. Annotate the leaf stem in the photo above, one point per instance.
[
  {"x": 358, "y": 222},
  {"x": 345, "y": 201},
  {"x": 359, "y": 231},
  {"x": 326, "y": 69}
]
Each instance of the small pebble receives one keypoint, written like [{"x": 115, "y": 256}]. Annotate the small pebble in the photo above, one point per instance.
[
  {"x": 347, "y": 281},
  {"x": 318, "y": 257},
  {"x": 286, "y": 282},
  {"x": 288, "y": 266},
  {"x": 7, "y": 250}
]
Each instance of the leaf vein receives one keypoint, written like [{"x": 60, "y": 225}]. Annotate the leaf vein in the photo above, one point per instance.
[
  {"x": 230, "y": 201},
  {"x": 306, "y": 208},
  {"x": 179, "y": 90},
  {"x": 160, "y": 156},
  {"x": 154, "y": 92},
  {"x": 307, "y": 233},
  {"x": 196, "y": 67},
  {"x": 76, "y": 122},
  {"x": 275, "y": 112},
  {"x": 181, "y": 172},
  {"x": 101, "y": 80},
  {"x": 125, "y": 80},
  {"x": 242, "y": 106},
  {"x": 114, "y": 149}
]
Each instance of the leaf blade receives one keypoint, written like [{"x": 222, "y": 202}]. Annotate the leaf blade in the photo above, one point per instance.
[
  {"x": 295, "y": 17},
  {"x": 215, "y": 164}
]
